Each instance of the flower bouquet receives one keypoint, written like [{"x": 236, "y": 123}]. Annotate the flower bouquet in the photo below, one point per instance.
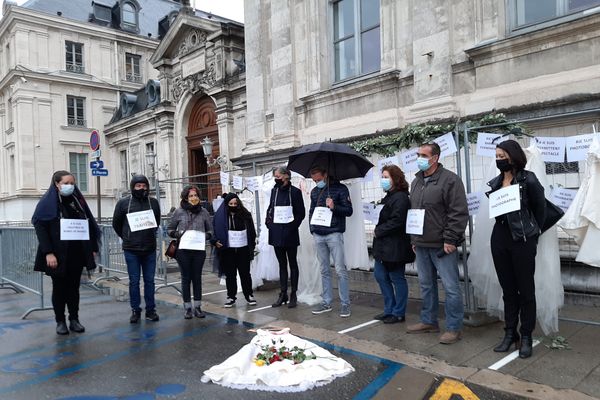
[{"x": 279, "y": 352}]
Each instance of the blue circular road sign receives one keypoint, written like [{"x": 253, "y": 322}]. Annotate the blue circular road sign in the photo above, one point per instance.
[{"x": 94, "y": 140}]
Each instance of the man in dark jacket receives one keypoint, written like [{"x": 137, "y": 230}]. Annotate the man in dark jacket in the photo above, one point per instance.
[
  {"x": 438, "y": 196},
  {"x": 329, "y": 206},
  {"x": 136, "y": 220}
]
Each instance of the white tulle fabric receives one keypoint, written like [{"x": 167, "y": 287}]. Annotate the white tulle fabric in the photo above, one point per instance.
[
  {"x": 267, "y": 267},
  {"x": 240, "y": 372},
  {"x": 548, "y": 285},
  {"x": 582, "y": 219},
  {"x": 355, "y": 237}
]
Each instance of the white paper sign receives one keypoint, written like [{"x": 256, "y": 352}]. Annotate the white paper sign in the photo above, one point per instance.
[
  {"x": 253, "y": 183},
  {"x": 485, "y": 145},
  {"x": 577, "y": 147},
  {"x": 474, "y": 202},
  {"x": 375, "y": 213},
  {"x": 238, "y": 182},
  {"x": 387, "y": 161},
  {"x": 283, "y": 214},
  {"x": 268, "y": 176},
  {"x": 414, "y": 221},
  {"x": 216, "y": 203},
  {"x": 193, "y": 240},
  {"x": 409, "y": 159},
  {"x": 552, "y": 148},
  {"x": 74, "y": 229},
  {"x": 238, "y": 239},
  {"x": 563, "y": 197},
  {"x": 138, "y": 221},
  {"x": 505, "y": 200},
  {"x": 447, "y": 144},
  {"x": 224, "y": 178},
  {"x": 321, "y": 216}
]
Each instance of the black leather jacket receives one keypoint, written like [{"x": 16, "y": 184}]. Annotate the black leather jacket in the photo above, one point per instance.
[{"x": 524, "y": 223}]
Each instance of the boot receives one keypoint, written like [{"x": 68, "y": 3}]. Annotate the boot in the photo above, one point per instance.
[
  {"x": 61, "y": 328},
  {"x": 293, "y": 300},
  {"x": 510, "y": 336},
  {"x": 75, "y": 326},
  {"x": 526, "y": 347},
  {"x": 282, "y": 299}
]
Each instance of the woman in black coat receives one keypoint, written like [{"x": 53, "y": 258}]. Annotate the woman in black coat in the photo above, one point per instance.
[
  {"x": 61, "y": 255},
  {"x": 284, "y": 216},
  {"x": 514, "y": 246},
  {"x": 391, "y": 245}
]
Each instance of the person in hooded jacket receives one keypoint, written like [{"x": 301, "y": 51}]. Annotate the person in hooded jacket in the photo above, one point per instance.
[
  {"x": 191, "y": 221},
  {"x": 235, "y": 240},
  {"x": 139, "y": 243},
  {"x": 284, "y": 216},
  {"x": 514, "y": 246},
  {"x": 391, "y": 245},
  {"x": 59, "y": 256}
]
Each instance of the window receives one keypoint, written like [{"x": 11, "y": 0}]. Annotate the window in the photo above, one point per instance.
[
  {"x": 529, "y": 12},
  {"x": 124, "y": 169},
  {"x": 102, "y": 13},
  {"x": 129, "y": 17},
  {"x": 150, "y": 173},
  {"x": 132, "y": 68},
  {"x": 356, "y": 38},
  {"x": 76, "y": 111},
  {"x": 74, "y": 57},
  {"x": 78, "y": 167}
]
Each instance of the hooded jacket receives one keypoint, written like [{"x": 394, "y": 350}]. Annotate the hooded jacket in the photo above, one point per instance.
[{"x": 143, "y": 241}]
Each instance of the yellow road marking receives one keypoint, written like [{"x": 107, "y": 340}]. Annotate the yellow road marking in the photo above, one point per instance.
[{"x": 450, "y": 387}]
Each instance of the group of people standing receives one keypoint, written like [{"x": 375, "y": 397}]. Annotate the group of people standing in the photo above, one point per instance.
[{"x": 435, "y": 207}]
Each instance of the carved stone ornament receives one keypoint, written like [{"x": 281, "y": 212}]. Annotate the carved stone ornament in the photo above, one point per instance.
[
  {"x": 195, "y": 39},
  {"x": 195, "y": 83}
]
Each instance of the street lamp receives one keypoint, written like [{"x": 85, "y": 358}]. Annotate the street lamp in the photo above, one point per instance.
[{"x": 207, "y": 148}]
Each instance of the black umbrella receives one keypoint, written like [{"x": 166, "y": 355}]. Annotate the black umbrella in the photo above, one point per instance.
[{"x": 340, "y": 161}]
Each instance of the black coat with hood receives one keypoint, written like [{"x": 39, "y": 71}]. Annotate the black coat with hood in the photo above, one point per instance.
[
  {"x": 285, "y": 234},
  {"x": 143, "y": 241}
]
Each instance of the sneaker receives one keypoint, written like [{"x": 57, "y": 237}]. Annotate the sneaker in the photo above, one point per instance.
[
  {"x": 188, "y": 313},
  {"x": 229, "y": 303},
  {"x": 323, "y": 308},
  {"x": 392, "y": 319},
  {"x": 251, "y": 301},
  {"x": 345, "y": 311},
  {"x": 450, "y": 337},
  {"x": 422, "y": 328},
  {"x": 381, "y": 317},
  {"x": 135, "y": 316},
  {"x": 198, "y": 313},
  {"x": 152, "y": 316}
]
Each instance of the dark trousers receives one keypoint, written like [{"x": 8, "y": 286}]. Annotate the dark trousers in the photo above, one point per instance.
[
  {"x": 234, "y": 261},
  {"x": 285, "y": 254},
  {"x": 515, "y": 267},
  {"x": 65, "y": 290},
  {"x": 190, "y": 265}
]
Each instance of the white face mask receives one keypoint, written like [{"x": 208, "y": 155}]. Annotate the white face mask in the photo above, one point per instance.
[{"x": 67, "y": 190}]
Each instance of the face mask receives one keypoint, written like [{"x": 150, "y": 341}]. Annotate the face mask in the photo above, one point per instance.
[
  {"x": 67, "y": 190},
  {"x": 233, "y": 208},
  {"x": 503, "y": 165},
  {"x": 278, "y": 182},
  {"x": 194, "y": 201},
  {"x": 423, "y": 163},
  {"x": 321, "y": 184},
  {"x": 386, "y": 184},
  {"x": 139, "y": 193}
]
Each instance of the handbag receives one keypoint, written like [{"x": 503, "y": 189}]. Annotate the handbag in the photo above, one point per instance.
[
  {"x": 172, "y": 248},
  {"x": 553, "y": 214}
]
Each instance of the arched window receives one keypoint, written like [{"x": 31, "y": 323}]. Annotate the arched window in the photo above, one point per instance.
[{"x": 129, "y": 14}]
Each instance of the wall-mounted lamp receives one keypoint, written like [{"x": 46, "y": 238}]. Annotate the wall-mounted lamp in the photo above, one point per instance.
[{"x": 207, "y": 147}]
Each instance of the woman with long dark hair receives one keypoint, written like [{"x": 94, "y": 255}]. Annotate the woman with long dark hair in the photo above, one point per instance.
[
  {"x": 191, "y": 224},
  {"x": 514, "y": 245},
  {"x": 68, "y": 237}
]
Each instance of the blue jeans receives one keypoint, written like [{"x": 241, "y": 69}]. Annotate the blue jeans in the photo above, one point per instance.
[
  {"x": 138, "y": 264},
  {"x": 327, "y": 246},
  {"x": 429, "y": 265},
  {"x": 393, "y": 288}
]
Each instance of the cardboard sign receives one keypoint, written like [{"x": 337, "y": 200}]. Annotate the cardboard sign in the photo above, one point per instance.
[
  {"x": 409, "y": 160},
  {"x": 238, "y": 182},
  {"x": 415, "y": 220},
  {"x": 74, "y": 229},
  {"x": 578, "y": 146},
  {"x": 193, "y": 240},
  {"x": 447, "y": 144},
  {"x": 238, "y": 239},
  {"x": 224, "y": 178},
  {"x": 138, "y": 221},
  {"x": 474, "y": 202},
  {"x": 485, "y": 145},
  {"x": 552, "y": 148},
  {"x": 563, "y": 197},
  {"x": 393, "y": 160},
  {"x": 253, "y": 183},
  {"x": 321, "y": 216},
  {"x": 505, "y": 200}
]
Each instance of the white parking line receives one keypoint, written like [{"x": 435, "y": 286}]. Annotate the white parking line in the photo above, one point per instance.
[
  {"x": 261, "y": 308},
  {"x": 512, "y": 356},
  {"x": 359, "y": 326},
  {"x": 216, "y": 291}
]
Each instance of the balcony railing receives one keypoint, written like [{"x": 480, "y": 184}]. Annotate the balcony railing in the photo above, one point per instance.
[
  {"x": 136, "y": 78},
  {"x": 78, "y": 122},
  {"x": 77, "y": 68}
]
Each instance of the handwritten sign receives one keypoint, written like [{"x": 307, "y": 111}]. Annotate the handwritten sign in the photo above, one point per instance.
[
  {"x": 504, "y": 201},
  {"x": 415, "y": 220},
  {"x": 283, "y": 214},
  {"x": 447, "y": 144},
  {"x": 563, "y": 197},
  {"x": 74, "y": 229},
  {"x": 409, "y": 159},
  {"x": 486, "y": 147},
  {"x": 393, "y": 160},
  {"x": 224, "y": 178},
  {"x": 552, "y": 148},
  {"x": 321, "y": 216},
  {"x": 371, "y": 212},
  {"x": 474, "y": 202},
  {"x": 253, "y": 183},
  {"x": 578, "y": 146},
  {"x": 193, "y": 240},
  {"x": 138, "y": 221},
  {"x": 238, "y": 239},
  {"x": 238, "y": 182}
]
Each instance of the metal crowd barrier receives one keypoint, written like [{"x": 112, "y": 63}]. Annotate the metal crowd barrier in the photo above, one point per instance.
[{"x": 18, "y": 247}]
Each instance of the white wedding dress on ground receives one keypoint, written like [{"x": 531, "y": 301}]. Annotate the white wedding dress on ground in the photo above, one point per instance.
[
  {"x": 240, "y": 372},
  {"x": 548, "y": 284}
]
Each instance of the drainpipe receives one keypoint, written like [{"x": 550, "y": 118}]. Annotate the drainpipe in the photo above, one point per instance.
[{"x": 117, "y": 71}]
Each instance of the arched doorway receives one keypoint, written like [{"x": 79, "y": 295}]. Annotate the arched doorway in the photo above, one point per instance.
[{"x": 203, "y": 123}]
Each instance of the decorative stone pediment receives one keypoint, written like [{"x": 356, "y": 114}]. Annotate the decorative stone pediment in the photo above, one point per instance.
[
  {"x": 195, "y": 83},
  {"x": 194, "y": 39}
]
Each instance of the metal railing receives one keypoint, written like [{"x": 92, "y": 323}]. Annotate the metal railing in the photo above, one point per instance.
[
  {"x": 77, "y": 68},
  {"x": 131, "y": 77},
  {"x": 79, "y": 122}
]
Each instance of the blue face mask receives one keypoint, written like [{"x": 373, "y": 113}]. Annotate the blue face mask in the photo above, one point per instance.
[
  {"x": 386, "y": 184},
  {"x": 67, "y": 190},
  {"x": 423, "y": 163},
  {"x": 321, "y": 184}
]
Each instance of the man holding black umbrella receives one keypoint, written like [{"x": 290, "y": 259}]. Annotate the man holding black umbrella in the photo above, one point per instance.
[{"x": 329, "y": 206}]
